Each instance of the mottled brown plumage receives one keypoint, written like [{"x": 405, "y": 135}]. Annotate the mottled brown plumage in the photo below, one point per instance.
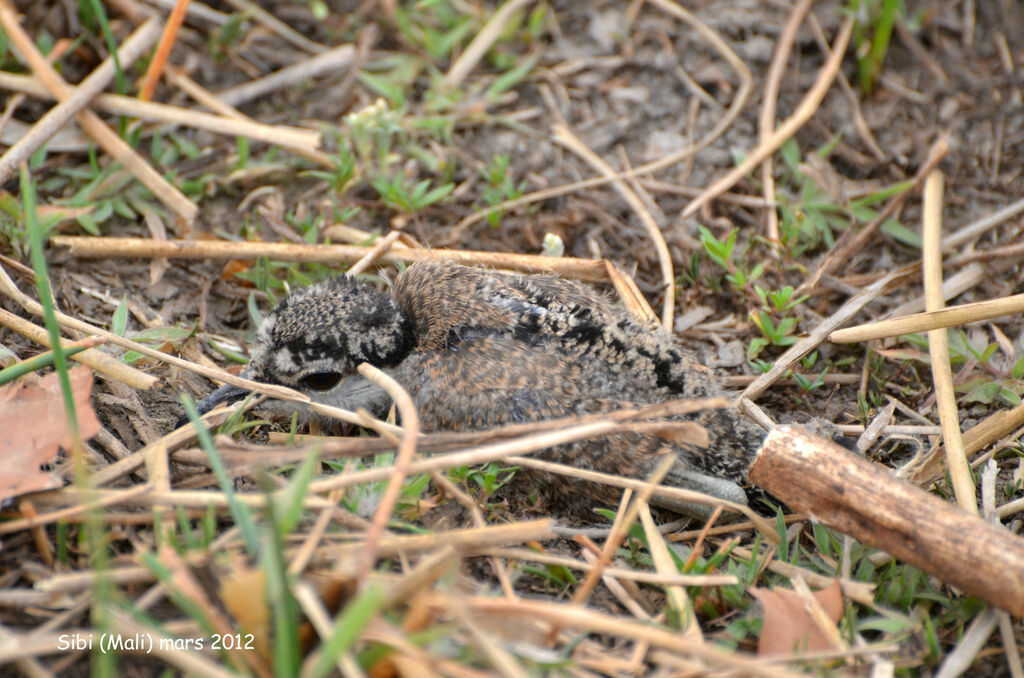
[{"x": 478, "y": 349}]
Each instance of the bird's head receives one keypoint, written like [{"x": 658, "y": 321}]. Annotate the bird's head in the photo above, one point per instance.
[{"x": 317, "y": 336}]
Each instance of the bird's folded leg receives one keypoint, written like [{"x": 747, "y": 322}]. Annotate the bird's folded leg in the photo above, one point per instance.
[{"x": 688, "y": 479}]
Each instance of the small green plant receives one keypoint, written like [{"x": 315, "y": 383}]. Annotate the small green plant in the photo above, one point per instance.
[
  {"x": 512, "y": 76},
  {"x": 395, "y": 78},
  {"x": 808, "y": 384},
  {"x": 276, "y": 278},
  {"x": 872, "y": 32},
  {"x": 372, "y": 132},
  {"x": 488, "y": 478},
  {"x": 225, "y": 40},
  {"x": 399, "y": 194},
  {"x": 438, "y": 28},
  {"x": 341, "y": 175},
  {"x": 500, "y": 186},
  {"x": 808, "y": 360},
  {"x": 162, "y": 338},
  {"x": 809, "y": 216},
  {"x": 780, "y": 300},
  {"x": 1001, "y": 380},
  {"x": 721, "y": 252},
  {"x": 775, "y": 333},
  {"x": 14, "y": 224}
]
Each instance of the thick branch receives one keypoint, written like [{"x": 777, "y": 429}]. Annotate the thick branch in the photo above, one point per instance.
[{"x": 865, "y": 501}]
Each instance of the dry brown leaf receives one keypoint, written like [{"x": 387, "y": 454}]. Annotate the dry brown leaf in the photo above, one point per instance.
[
  {"x": 33, "y": 425},
  {"x": 243, "y": 592},
  {"x": 788, "y": 624}
]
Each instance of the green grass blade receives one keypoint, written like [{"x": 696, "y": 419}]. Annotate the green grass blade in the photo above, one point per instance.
[{"x": 239, "y": 511}]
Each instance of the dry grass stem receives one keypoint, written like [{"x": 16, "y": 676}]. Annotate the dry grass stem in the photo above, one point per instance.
[
  {"x": 926, "y": 468},
  {"x": 739, "y": 100},
  {"x": 808, "y": 106},
  {"x": 91, "y": 123},
  {"x": 657, "y": 578},
  {"x": 74, "y": 509},
  {"x": 201, "y": 95},
  {"x": 189, "y": 663},
  {"x": 564, "y": 136},
  {"x": 312, "y": 540},
  {"x": 676, "y": 493},
  {"x": 326, "y": 62},
  {"x": 859, "y": 123},
  {"x": 766, "y": 118},
  {"x": 965, "y": 279},
  {"x": 624, "y": 518},
  {"x": 731, "y": 528},
  {"x": 97, "y": 360},
  {"x": 482, "y": 42},
  {"x": 77, "y": 99},
  {"x": 744, "y": 380},
  {"x": 428, "y": 570},
  {"x": 818, "y": 615},
  {"x": 337, "y": 447},
  {"x": 507, "y": 450},
  {"x": 850, "y": 243},
  {"x": 861, "y": 592},
  {"x": 131, "y": 248},
  {"x": 465, "y": 541},
  {"x": 406, "y": 451},
  {"x": 931, "y": 320},
  {"x": 378, "y": 248},
  {"x": 981, "y": 226},
  {"x": 629, "y": 294},
  {"x": 282, "y": 29},
  {"x": 801, "y": 348},
  {"x": 163, "y": 50},
  {"x": 578, "y": 617},
  {"x": 1006, "y": 252},
  {"x": 70, "y": 496},
  {"x": 293, "y": 138},
  {"x": 665, "y": 566},
  {"x": 172, "y": 441},
  {"x": 938, "y": 348},
  {"x": 500, "y": 660},
  {"x": 739, "y": 199},
  {"x": 894, "y": 429}
]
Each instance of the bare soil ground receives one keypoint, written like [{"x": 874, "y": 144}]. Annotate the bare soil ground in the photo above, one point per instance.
[{"x": 634, "y": 84}]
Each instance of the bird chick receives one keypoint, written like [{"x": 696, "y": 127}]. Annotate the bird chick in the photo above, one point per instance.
[{"x": 478, "y": 349}]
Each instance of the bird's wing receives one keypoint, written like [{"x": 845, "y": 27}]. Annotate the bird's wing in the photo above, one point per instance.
[
  {"x": 487, "y": 382},
  {"x": 492, "y": 381},
  {"x": 448, "y": 303},
  {"x": 445, "y": 300}
]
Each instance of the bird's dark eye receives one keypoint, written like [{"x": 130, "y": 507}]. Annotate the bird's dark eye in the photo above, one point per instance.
[{"x": 321, "y": 381}]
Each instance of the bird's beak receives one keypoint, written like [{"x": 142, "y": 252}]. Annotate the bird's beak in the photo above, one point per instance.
[{"x": 224, "y": 395}]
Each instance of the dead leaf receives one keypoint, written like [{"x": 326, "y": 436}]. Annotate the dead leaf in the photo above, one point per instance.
[
  {"x": 243, "y": 593},
  {"x": 155, "y": 224},
  {"x": 33, "y": 425},
  {"x": 788, "y": 624}
]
